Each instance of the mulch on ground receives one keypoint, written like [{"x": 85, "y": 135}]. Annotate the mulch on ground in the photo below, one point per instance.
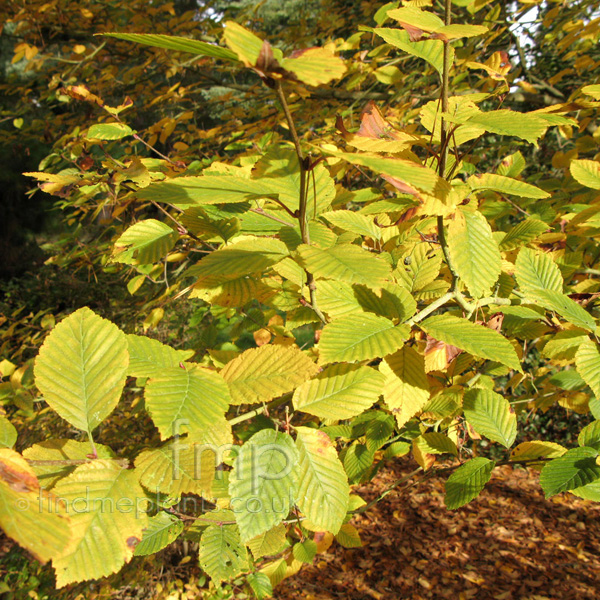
[{"x": 508, "y": 544}]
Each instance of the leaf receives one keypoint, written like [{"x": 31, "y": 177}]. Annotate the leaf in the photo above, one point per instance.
[
  {"x": 348, "y": 536},
  {"x": 586, "y": 172},
  {"x": 406, "y": 389},
  {"x": 574, "y": 469},
  {"x": 564, "y": 346},
  {"x": 360, "y": 337},
  {"x": 184, "y": 192},
  {"x": 416, "y": 18},
  {"x": 431, "y": 51},
  {"x": 526, "y": 126},
  {"x": 305, "y": 551},
  {"x": 174, "y": 42},
  {"x": 415, "y": 175},
  {"x": 323, "y": 491},
  {"x": 536, "y": 449},
  {"x": 436, "y": 443},
  {"x": 45, "y": 455},
  {"x": 268, "y": 543},
  {"x": 505, "y": 185},
  {"x": 340, "y": 391},
  {"x": 537, "y": 271},
  {"x": 455, "y": 31},
  {"x": 109, "y": 131},
  {"x": 179, "y": 467},
  {"x": 250, "y": 255},
  {"x": 467, "y": 481},
  {"x": 563, "y": 305},
  {"x": 222, "y": 554},
  {"x": 263, "y": 483},
  {"x": 162, "y": 530},
  {"x": 244, "y": 43},
  {"x": 81, "y": 368},
  {"x": 419, "y": 267},
  {"x": 8, "y": 433},
  {"x": 315, "y": 66},
  {"x": 106, "y": 506},
  {"x": 474, "y": 252},
  {"x": 149, "y": 358},
  {"x": 345, "y": 262},
  {"x": 391, "y": 301},
  {"x": 350, "y": 220},
  {"x": 184, "y": 400},
  {"x": 261, "y": 585},
  {"x": 145, "y": 242},
  {"x": 29, "y": 515},
  {"x": 490, "y": 415},
  {"x": 475, "y": 339},
  {"x": 587, "y": 361},
  {"x": 592, "y": 90},
  {"x": 524, "y": 232},
  {"x": 261, "y": 374},
  {"x": 590, "y": 436}
]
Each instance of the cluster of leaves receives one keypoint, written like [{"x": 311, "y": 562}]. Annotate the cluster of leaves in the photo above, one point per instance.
[{"x": 370, "y": 293}]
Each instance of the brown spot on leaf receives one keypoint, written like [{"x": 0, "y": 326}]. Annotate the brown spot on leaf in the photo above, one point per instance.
[
  {"x": 132, "y": 542},
  {"x": 20, "y": 481}
]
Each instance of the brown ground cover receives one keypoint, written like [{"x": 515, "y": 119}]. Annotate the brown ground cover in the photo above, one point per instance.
[{"x": 510, "y": 543}]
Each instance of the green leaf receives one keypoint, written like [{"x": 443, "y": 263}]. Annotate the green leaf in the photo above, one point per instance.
[
  {"x": 431, "y": 51},
  {"x": 576, "y": 468},
  {"x": 261, "y": 585},
  {"x": 263, "y": 483},
  {"x": 268, "y": 543},
  {"x": 537, "y": 449},
  {"x": 323, "y": 491},
  {"x": 221, "y": 552},
  {"x": 149, "y": 358},
  {"x": 537, "y": 271},
  {"x": 564, "y": 346},
  {"x": 475, "y": 339},
  {"x": 184, "y": 192},
  {"x": 474, "y": 252},
  {"x": 436, "y": 443},
  {"x": 416, "y": 18},
  {"x": 490, "y": 415},
  {"x": 360, "y": 337},
  {"x": 178, "y": 467},
  {"x": 348, "y": 536},
  {"x": 455, "y": 31},
  {"x": 145, "y": 242},
  {"x": 467, "y": 481},
  {"x": 505, "y": 185},
  {"x": 278, "y": 172},
  {"x": 261, "y": 374},
  {"x": 109, "y": 131},
  {"x": 47, "y": 456},
  {"x": 350, "y": 220},
  {"x": 106, "y": 506},
  {"x": 81, "y": 368},
  {"x": 8, "y": 433},
  {"x": 358, "y": 460},
  {"x": 178, "y": 43},
  {"x": 305, "y": 551},
  {"x": 29, "y": 515},
  {"x": 406, "y": 389},
  {"x": 526, "y": 126},
  {"x": 186, "y": 400},
  {"x": 419, "y": 267},
  {"x": 340, "y": 391},
  {"x": 345, "y": 262},
  {"x": 250, "y": 255},
  {"x": 391, "y": 301},
  {"x": 587, "y": 361},
  {"x": 315, "y": 66},
  {"x": 244, "y": 43},
  {"x": 524, "y": 232},
  {"x": 586, "y": 172},
  {"x": 419, "y": 177},
  {"x": 162, "y": 530},
  {"x": 592, "y": 90},
  {"x": 563, "y": 305},
  {"x": 590, "y": 436}
]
